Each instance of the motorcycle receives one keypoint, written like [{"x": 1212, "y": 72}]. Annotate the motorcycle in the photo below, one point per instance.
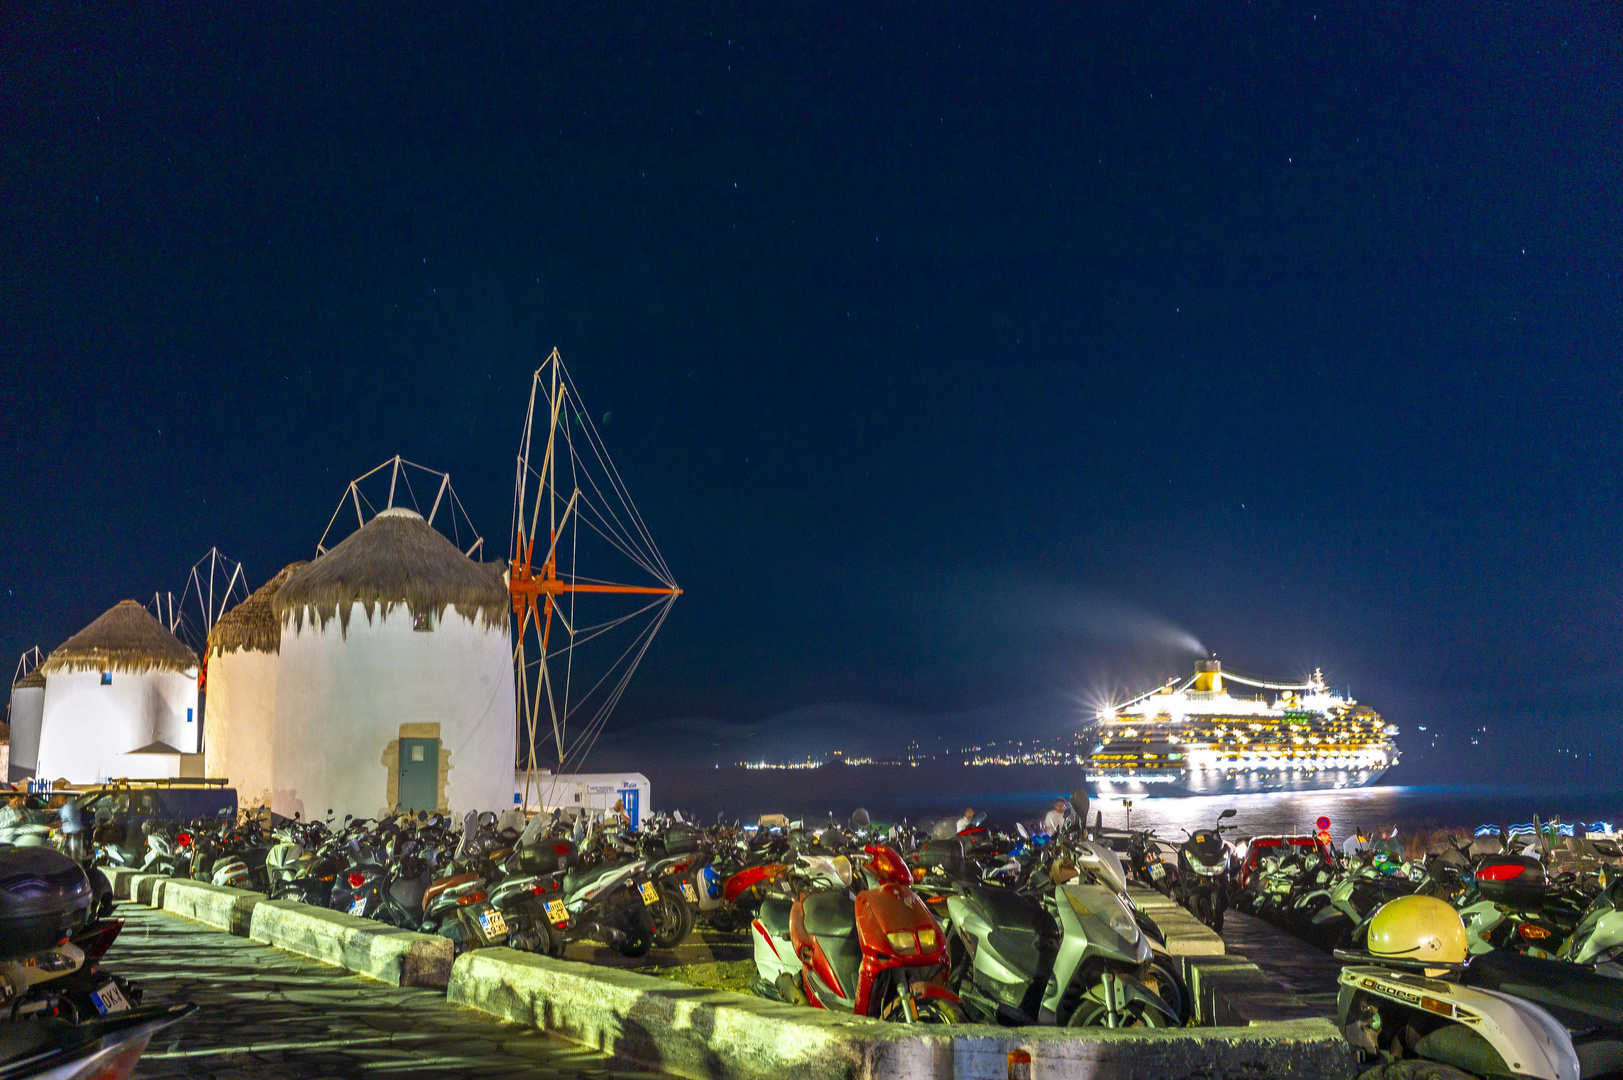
[{"x": 1203, "y": 873}]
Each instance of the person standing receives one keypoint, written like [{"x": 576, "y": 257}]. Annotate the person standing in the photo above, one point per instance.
[
  {"x": 1054, "y": 820},
  {"x": 967, "y": 820}
]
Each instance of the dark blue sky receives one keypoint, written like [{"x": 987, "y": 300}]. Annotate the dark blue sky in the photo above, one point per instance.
[{"x": 953, "y": 354}]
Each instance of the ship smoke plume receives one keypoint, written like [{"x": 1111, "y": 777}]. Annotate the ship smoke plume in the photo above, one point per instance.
[{"x": 1031, "y": 606}]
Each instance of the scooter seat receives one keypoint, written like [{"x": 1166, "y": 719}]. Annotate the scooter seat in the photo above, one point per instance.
[
  {"x": 446, "y": 883},
  {"x": 576, "y": 880},
  {"x": 830, "y": 914},
  {"x": 774, "y": 915},
  {"x": 1572, "y": 993}
]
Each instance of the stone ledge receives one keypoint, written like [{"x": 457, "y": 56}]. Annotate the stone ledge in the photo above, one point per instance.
[
  {"x": 1185, "y": 935},
  {"x": 716, "y": 1035},
  {"x": 1230, "y": 990},
  {"x": 119, "y": 877},
  {"x": 364, "y": 946},
  {"x": 213, "y": 905},
  {"x": 148, "y": 889}
]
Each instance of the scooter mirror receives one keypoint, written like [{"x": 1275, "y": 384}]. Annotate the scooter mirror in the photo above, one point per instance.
[
  {"x": 860, "y": 818},
  {"x": 1079, "y": 805},
  {"x": 1230, "y": 812}
]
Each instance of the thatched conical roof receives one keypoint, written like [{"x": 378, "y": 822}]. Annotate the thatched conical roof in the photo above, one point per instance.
[
  {"x": 252, "y": 625},
  {"x": 396, "y": 559},
  {"x": 125, "y": 638},
  {"x": 34, "y": 679}
]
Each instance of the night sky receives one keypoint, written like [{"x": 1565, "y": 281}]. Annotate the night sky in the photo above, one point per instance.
[{"x": 967, "y": 364}]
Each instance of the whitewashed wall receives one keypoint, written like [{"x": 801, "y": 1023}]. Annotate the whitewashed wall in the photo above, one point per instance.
[
  {"x": 591, "y": 793},
  {"x": 341, "y": 701},
  {"x": 86, "y": 727},
  {"x": 239, "y": 717},
  {"x": 27, "y": 709}
]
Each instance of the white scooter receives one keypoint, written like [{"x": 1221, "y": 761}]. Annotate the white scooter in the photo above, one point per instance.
[
  {"x": 777, "y": 967},
  {"x": 1501, "y": 1014}
]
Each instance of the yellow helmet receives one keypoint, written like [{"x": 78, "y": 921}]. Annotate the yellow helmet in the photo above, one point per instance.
[{"x": 1418, "y": 928}]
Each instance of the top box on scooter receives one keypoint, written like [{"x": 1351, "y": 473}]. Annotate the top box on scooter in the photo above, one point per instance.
[
  {"x": 44, "y": 896},
  {"x": 548, "y": 856},
  {"x": 680, "y": 842},
  {"x": 1517, "y": 880},
  {"x": 948, "y": 856}
]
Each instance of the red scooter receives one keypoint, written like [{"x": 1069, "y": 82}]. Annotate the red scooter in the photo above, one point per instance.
[{"x": 876, "y": 952}]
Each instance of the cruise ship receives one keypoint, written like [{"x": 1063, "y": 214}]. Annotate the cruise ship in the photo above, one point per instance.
[{"x": 1192, "y": 736}]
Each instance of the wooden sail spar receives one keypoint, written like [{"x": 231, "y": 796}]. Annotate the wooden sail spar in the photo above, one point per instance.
[{"x": 573, "y": 485}]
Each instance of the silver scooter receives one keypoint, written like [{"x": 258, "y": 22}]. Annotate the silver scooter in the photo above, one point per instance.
[{"x": 1075, "y": 957}]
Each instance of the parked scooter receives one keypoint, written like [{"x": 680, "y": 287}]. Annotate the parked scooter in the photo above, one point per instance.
[
  {"x": 1517, "y": 908},
  {"x": 777, "y": 967},
  {"x": 869, "y": 947},
  {"x": 1598, "y": 938},
  {"x": 1203, "y": 873},
  {"x": 1416, "y": 1000},
  {"x": 877, "y": 952},
  {"x": 1148, "y": 863},
  {"x": 610, "y": 903}
]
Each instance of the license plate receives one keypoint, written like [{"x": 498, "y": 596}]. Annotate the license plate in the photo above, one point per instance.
[
  {"x": 690, "y": 892},
  {"x": 358, "y": 906},
  {"x": 110, "y": 999},
  {"x": 494, "y": 925},
  {"x": 650, "y": 895},
  {"x": 557, "y": 914},
  {"x": 1157, "y": 871}
]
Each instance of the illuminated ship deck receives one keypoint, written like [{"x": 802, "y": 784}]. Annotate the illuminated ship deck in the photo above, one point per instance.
[{"x": 1196, "y": 738}]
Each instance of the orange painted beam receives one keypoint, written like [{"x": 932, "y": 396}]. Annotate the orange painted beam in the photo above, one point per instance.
[{"x": 554, "y": 587}]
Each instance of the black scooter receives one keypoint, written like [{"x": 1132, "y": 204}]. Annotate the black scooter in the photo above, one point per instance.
[{"x": 1203, "y": 873}]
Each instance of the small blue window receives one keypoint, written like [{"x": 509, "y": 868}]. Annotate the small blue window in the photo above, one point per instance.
[
  {"x": 188, "y": 716},
  {"x": 107, "y": 678}
]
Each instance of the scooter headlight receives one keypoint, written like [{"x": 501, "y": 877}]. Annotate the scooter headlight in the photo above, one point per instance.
[
  {"x": 1122, "y": 924},
  {"x": 927, "y": 941},
  {"x": 903, "y": 943}
]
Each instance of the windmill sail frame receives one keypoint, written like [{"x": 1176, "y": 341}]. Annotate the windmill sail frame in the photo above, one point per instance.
[{"x": 594, "y": 496}]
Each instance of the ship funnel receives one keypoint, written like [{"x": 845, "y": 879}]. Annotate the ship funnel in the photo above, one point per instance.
[{"x": 1210, "y": 676}]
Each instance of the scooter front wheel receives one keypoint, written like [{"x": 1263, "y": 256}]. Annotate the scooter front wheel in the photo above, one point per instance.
[
  {"x": 1094, "y": 1011},
  {"x": 1163, "y": 979}
]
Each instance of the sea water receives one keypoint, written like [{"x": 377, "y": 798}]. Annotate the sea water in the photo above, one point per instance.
[{"x": 1025, "y": 792}]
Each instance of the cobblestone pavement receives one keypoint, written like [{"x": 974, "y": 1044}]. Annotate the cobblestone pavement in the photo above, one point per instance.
[
  {"x": 1306, "y": 973},
  {"x": 269, "y": 1015}
]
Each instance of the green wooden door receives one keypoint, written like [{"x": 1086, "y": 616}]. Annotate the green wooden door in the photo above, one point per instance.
[{"x": 419, "y": 785}]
